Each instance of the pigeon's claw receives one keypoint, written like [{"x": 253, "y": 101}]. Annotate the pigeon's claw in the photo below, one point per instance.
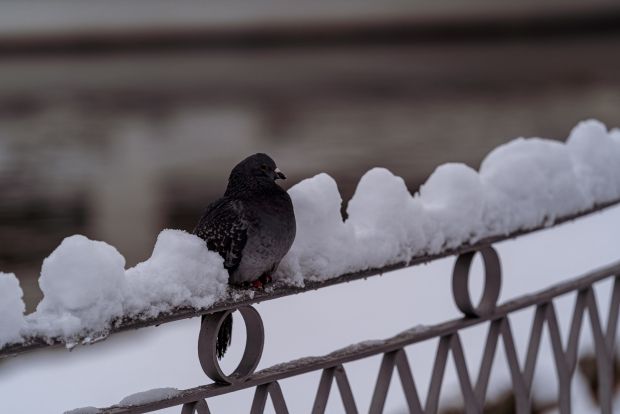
[
  {"x": 265, "y": 279},
  {"x": 257, "y": 284}
]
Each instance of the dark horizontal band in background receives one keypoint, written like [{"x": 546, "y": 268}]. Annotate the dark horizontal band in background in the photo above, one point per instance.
[{"x": 362, "y": 33}]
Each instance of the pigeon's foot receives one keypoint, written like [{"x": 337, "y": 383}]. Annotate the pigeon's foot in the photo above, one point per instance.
[
  {"x": 257, "y": 284},
  {"x": 265, "y": 279}
]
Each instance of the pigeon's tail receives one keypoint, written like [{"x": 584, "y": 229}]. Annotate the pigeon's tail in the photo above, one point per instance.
[{"x": 224, "y": 336}]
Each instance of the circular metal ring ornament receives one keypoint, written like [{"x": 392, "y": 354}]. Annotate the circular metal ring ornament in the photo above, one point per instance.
[
  {"x": 253, "y": 346},
  {"x": 492, "y": 282}
]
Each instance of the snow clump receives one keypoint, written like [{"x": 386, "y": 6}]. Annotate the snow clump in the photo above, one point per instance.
[
  {"x": 529, "y": 182},
  {"x": 595, "y": 155},
  {"x": 82, "y": 283},
  {"x": 84, "y": 410},
  {"x": 380, "y": 219},
  {"x": 156, "y": 394},
  {"x": 12, "y": 309},
  {"x": 180, "y": 272},
  {"x": 317, "y": 212},
  {"x": 452, "y": 199}
]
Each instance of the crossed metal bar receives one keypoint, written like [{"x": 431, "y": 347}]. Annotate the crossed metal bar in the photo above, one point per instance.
[{"x": 394, "y": 356}]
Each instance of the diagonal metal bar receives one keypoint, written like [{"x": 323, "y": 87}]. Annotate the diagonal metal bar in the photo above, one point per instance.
[
  {"x": 432, "y": 398},
  {"x": 260, "y": 399},
  {"x": 563, "y": 371},
  {"x": 345, "y": 390},
  {"x": 471, "y": 405},
  {"x": 597, "y": 330},
  {"x": 575, "y": 330},
  {"x": 604, "y": 356},
  {"x": 487, "y": 362},
  {"x": 383, "y": 383},
  {"x": 196, "y": 407},
  {"x": 406, "y": 380},
  {"x": 447, "y": 343},
  {"x": 534, "y": 345},
  {"x": 390, "y": 360},
  {"x": 325, "y": 386},
  {"x": 612, "y": 321},
  {"x": 521, "y": 390},
  {"x": 322, "y": 395}
]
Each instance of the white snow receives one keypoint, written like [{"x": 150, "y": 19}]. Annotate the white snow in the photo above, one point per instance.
[
  {"x": 528, "y": 182},
  {"x": 595, "y": 156},
  {"x": 86, "y": 287},
  {"x": 523, "y": 184},
  {"x": 452, "y": 202},
  {"x": 82, "y": 283},
  {"x": 380, "y": 215},
  {"x": 156, "y": 394},
  {"x": 83, "y": 410},
  {"x": 180, "y": 272},
  {"x": 323, "y": 243},
  {"x": 11, "y": 309}
]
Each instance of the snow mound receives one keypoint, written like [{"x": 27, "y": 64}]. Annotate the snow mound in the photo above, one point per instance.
[
  {"x": 82, "y": 283},
  {"x": 378, "y": 234},
  {"x": 83, "y": 410},
  {"x": 156, "y": 394},
  {"x": 180, "y": 272},
  {"x": 595, "y": 155},
  {"x": 317, "y": 211},
  {"x": 452, "y": 200},
  {"x": 529, "y": 182},
  {"x": 12, "y": 309}
]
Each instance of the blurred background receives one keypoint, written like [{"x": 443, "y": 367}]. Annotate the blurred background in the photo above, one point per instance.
[{"x": 121, "y": 118}]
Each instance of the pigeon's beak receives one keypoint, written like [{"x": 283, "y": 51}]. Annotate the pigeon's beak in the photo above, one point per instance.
[{"x": 279, "y": 174}]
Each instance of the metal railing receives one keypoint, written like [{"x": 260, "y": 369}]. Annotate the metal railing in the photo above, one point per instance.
[
  {"x": 266, "y": 381},
  {"x": 394, "y": 357}
]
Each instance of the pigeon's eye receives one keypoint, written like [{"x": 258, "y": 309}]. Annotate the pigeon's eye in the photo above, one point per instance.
[{"x": 263, "y": 167}]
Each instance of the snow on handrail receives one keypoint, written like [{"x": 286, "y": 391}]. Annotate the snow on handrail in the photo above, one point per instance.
[
  {"x": 521, "y": 186},
  {"x": 279, "y": 290}
]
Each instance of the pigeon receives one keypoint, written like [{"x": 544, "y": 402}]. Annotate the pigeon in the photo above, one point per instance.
[{"x": 252, "y": 227}]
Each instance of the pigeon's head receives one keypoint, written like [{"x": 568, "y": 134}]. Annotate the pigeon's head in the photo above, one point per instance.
[{"x": 259, "y": 165}]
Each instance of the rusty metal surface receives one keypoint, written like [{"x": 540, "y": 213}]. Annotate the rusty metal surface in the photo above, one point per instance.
[
  {"x": 281, "y": 290},
  {"x": 474, "y": 394}
]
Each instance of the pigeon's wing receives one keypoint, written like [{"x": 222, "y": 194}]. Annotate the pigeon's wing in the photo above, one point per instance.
[{"x": 224, "y": 226}]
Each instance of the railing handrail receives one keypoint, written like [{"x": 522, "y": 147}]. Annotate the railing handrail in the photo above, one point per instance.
[
  {"x": 364, "y": 350},
  {"x": 282, "y": 290}
]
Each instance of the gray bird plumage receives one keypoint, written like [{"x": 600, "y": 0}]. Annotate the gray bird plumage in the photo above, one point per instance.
[{"x": 252, "y": 226}]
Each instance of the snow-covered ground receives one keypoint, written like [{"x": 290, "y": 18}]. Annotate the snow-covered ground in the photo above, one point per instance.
[{"x": 522, "y": 184}]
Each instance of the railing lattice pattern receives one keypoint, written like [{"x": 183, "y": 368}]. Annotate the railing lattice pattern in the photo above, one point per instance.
[{"x": 474, "y": 396}]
